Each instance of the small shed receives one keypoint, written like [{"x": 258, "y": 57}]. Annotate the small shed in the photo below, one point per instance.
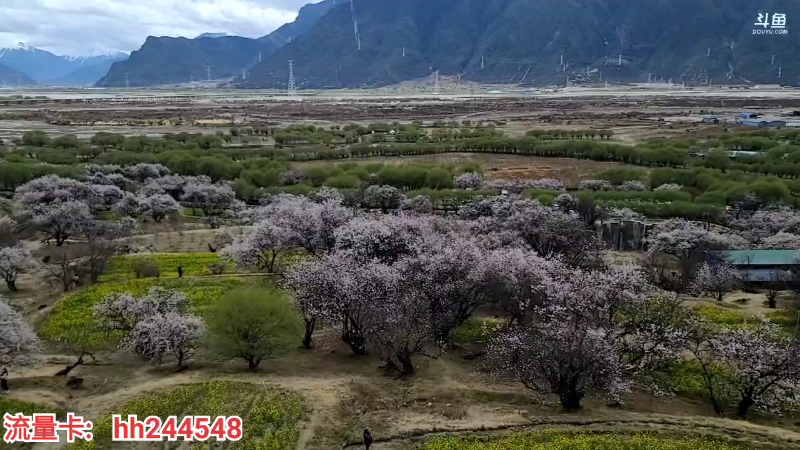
[
  {"x": 761, "y": 123},
  {"x": 711, "y": 119},
  {"x": 758, "y": 266}
]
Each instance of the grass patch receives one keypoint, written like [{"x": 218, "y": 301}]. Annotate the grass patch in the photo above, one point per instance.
[
  {"x": 193, "y": 264},
  {"x": 686, "y": 380},
  {"x": 271, "y": 417},
  {"x": 72, "y": 318},
  {"x": 559, "y": 439},
  {"x": 784, "y": 317},
  {"x": 475, "y": 330},
  {"x": 724, "y": 317}
]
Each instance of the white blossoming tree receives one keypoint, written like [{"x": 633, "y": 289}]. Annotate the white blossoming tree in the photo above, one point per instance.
[
  {"x": 17, "y": 338},
  {"x": 716, "y": 280},
  {"x": 164, "y": 335}
]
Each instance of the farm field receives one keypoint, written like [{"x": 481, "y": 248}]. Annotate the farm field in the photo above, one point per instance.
[
  {"x": 418, "y": 241},
  {"x": 503, "y": 167}
]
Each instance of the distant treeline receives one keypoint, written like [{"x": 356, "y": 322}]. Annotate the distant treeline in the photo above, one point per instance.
[{"x": 708, "y": 175}]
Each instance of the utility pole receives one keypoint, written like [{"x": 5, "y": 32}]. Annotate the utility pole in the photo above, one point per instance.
[
  {"x": 482, "y": 65},
  {"x": 127, "y": 82},
  {"x": 404, "y": 52},
  {"x": 244, "y": 74},
  {"x": 773, "y": 60},
  {"x": 780, "y": 71},
  {"x": 619, "y": 60},
  {"x": 436, "y": 82},
  {"x": 208, "y": 73},
  {"x": 292, "y": 92}
]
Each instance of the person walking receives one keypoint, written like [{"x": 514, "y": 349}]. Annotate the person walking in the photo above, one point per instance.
[
  {"x": 367, "y": 438},
  {"x": 4, "y": 380}
]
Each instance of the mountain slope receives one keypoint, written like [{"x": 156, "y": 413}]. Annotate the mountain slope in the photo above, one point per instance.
[
  {"x": 11, "y": 77},
  {"x": 522, "y": 41},
  {"x": 306, "y": 19},
  {"x": 49, "y": 69},
  {"x": 89, "y": 72},
  {"x": 164, "y": 60}
]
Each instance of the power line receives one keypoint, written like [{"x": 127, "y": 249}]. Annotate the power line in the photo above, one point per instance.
[{"x": 355, "y": 25}]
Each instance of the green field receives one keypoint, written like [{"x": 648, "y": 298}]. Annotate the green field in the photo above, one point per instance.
[
  {"x": 72, "y": 318},
  {"x": 193, "y": 264},
  {"x": 271, "y": 417}
]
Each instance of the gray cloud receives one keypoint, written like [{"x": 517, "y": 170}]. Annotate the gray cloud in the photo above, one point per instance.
[{"x": 77, "y": 26}]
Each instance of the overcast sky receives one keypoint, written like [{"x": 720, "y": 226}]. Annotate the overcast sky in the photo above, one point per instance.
[{"x": 75, "y": 27}]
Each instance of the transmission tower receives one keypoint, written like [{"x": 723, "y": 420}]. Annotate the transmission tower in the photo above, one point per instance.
[
  {"x": 208, "y": 73},
  {"x": 127, "y": 82},
  {"x": 244, "y": 74},
  {"x": 436, "y": 82},
  {"x": 292, "y": 88},
  {"x": 482, "y": 64}
]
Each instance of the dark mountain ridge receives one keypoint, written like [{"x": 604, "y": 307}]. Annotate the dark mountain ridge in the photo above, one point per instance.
[
  {"x": 522, "y": 42},
  {"x": 171, "y": 60},
  {"x": 165, "y": 60}
]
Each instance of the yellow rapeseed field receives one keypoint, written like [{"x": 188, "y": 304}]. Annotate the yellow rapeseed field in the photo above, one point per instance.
[{"x": 555, "y": 439}]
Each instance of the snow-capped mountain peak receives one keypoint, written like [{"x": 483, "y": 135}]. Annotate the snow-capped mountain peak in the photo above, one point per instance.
[
  {"x": 214, "y": 35},
  {"x": 18, "y": 47},
  {"x": 96, "y": 53},
  {"x": 22, "y": 46}
]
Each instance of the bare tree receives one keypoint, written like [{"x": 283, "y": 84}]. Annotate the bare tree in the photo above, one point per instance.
[{"x": 61, "y": 270}]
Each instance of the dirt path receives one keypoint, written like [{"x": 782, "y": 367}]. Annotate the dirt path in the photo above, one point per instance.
[{"x": 307, "y": 433}]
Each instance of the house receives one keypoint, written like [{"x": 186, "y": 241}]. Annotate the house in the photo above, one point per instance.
[
  {"x": 747, "y": 115},
  {"x": 758, "y": 266}
]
